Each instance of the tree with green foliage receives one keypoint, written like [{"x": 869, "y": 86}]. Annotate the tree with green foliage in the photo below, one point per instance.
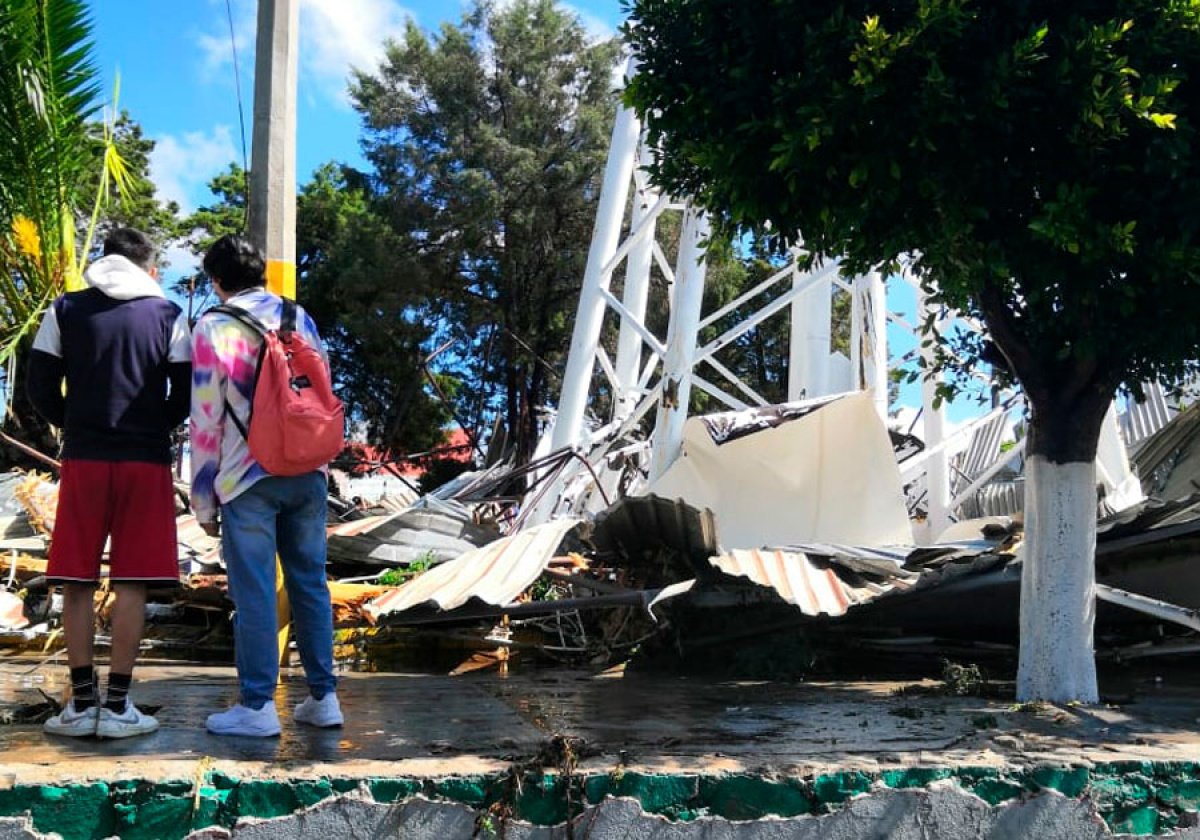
[
  {"x": 59, "y": 169},
  {"x": 365, "y": 292},
  {"x": 48, "y": 93},
  {"x": 354, "y": 278},
  {"x": 224, "y": 215},
  {"x": 487, "y": 140},
  {"x": 1035, "y": 161},
  {"x": 761, "y": 356}
]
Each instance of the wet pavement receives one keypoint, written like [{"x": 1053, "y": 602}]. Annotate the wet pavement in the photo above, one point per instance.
[{"x": 433, "y": 724}]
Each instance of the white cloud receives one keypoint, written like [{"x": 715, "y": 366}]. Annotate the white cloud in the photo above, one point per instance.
[
  {"x": 596, "y": 28},
  {"x": 335, "y": 36},
  {"x": 338, "y": 35},
  {"x": 180, "y": 260},
  {"x": 214, "y": 43},
  {"x": 182, "y": 165}
]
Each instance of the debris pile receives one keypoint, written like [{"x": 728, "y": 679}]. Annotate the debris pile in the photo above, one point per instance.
[
  {"x": 787, "y": 528},
  {"x": 779, "y": 540}
]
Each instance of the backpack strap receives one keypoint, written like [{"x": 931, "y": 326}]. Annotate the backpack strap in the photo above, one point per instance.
[
  {"x": 243, "y": 317},
  {"x": 287, "y": 321},
  {"x": 239, "y": 314}
]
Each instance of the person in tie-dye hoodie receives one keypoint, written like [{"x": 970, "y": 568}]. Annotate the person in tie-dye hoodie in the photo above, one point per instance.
[{"x": 257, "y": 514}]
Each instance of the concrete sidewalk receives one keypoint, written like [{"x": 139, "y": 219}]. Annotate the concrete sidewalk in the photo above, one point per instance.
[{"x": 700, "y": 753}]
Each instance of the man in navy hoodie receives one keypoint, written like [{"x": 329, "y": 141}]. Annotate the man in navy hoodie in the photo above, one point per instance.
[{"x": 124, "y": 352}]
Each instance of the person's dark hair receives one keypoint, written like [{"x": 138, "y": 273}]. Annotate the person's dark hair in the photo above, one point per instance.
[
  {"x": 235, "y": 264},
  {"x": 133, "y": 245}
]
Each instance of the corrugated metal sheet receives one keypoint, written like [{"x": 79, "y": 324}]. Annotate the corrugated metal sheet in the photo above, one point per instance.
[
  {"x": 981, "y": 453},
  {"x": 816, "y": 588},
  {"x": 883, "y": 560},
  {"x": 830, "y": 579},
  {"x": 1167, "y": 461},
  {"x": 354, "y": 527},
  {"x": 999, "y": 497},
  {"x": 495, "y": 574},
  {"x": 1142, "y": 420},
  {"x": 443, "y": 531},
  {"x": 1148, "y": 515},
  {"x": 637, "y": 523},
  {"x": 450, "y": 518}
]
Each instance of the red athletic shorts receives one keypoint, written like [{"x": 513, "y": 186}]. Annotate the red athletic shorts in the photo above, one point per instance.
[{"x": 134, "y": 502}]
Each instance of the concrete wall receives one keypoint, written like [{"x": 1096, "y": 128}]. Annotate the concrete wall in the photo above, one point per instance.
[{"x": 1131, "y": 798}]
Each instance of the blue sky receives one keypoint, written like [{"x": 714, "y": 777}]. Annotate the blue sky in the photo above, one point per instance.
[
  {"x": 176, "y": 69},
  {"x": 177, "y": 75}
]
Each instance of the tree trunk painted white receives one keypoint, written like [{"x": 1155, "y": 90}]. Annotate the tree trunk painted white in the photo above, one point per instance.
[{"x": 1058, "y": 583}]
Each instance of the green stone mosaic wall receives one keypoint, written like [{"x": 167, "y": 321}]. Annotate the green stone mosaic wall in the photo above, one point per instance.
[{"x": 1143, "y": 798}]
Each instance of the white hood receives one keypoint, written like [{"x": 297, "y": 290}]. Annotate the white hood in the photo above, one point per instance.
[{"x": 120, "y": 279}]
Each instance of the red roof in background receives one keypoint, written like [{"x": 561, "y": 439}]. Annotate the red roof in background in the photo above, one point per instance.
[{"x": 457, "y": 447}]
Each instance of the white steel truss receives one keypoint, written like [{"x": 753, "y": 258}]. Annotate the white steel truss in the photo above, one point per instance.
[{"x": 659, "y": 373}]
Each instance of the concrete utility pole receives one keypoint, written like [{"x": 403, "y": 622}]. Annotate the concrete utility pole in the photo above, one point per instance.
[
  {"x": 273, "y": 179},
  {"x": 273, "y": 162}
]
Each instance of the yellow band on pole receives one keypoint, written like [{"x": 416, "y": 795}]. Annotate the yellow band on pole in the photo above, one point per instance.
[{"x": 281, "y": 280}]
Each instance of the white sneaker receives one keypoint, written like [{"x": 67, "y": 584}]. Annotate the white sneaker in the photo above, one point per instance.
[
  {"x": 72, "y": 723},
  {"x": 133, "y": 721},
  {"x": 240, "y": 720},
  {"x": 324, "y": 712}
]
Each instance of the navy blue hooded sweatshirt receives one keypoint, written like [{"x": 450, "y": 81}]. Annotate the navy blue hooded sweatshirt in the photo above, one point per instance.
[{"x": 125, "y": 353}]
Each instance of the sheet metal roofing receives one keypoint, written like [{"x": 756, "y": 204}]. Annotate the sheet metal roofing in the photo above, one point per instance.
[
  {"x": 816, "y": 588},
  {"x": 637, "y": 523},
  {"x": 830, "y": 579},
  {"x": 444, "y": 530},
  {"x": 495, "y": 574}
]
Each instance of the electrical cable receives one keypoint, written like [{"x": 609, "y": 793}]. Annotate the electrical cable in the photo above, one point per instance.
[{"x": 237, "y": 81}]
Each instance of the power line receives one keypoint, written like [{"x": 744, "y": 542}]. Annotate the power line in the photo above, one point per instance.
[{"x": 237, "y": 81}]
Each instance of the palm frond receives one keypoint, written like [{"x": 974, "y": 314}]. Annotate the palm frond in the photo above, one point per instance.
[
  {"x": 49, "y": 90},
  {"x": 114, "y": 173}
]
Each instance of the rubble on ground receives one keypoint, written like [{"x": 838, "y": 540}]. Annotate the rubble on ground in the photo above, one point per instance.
[{"x": 787, "y": 529}]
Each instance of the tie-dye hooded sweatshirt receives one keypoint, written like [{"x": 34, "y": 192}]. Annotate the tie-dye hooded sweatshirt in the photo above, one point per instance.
[{"x": 224, "y": 358}]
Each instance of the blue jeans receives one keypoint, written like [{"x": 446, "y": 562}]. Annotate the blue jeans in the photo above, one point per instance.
[{"x": 284, "y": 515}]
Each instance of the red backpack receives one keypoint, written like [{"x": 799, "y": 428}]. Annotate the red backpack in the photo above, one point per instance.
[{"x": 296, "y": 424}]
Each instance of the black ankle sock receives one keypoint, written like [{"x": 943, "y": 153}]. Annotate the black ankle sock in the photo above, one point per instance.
[
  {"x": 118, "y": 690},
  {"x": 83, "y": 687}
]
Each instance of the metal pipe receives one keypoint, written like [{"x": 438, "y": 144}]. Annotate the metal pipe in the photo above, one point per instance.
[
  {"x": 797, "y": 289},
  {"x": 634, "y": 322},
  {"x": 988, "y": 474},
  {"x": 757, "y": 318},
  {"x": 912, "y": 466},
  {"x": 734, "y": 380},
  {"x": 637, "y": 290},
  {"x": 641, "y": 230},
  {"x": 1184, "y": 616},
  {"x": 634, "y": 598},
  {"x": 614, "y": 190},
  {"x": 716, "y": 393},
  {"x": 30, "y": 451},
  {"x": 681, "y": 359},
  {"x": 875, "y": 360},
  {"x": 937, "y": 469},
  {"x": 811, "y": 339}
]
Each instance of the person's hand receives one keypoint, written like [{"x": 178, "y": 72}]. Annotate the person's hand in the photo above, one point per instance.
[{"x": 213, "y": 528}]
